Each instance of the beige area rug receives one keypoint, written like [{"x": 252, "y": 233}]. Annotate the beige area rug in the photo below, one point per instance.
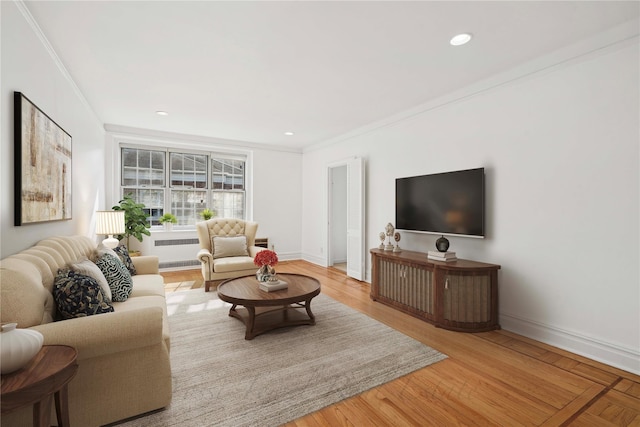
[{"x": 220, "y": 379}]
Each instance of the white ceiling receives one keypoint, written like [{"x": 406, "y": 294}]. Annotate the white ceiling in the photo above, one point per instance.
[{"x": 250, "y": 71}]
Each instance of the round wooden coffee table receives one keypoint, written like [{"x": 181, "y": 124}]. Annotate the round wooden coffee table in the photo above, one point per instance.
[
  {"x": 262, "y": 311},
  {"x": 45, "y": 376}
]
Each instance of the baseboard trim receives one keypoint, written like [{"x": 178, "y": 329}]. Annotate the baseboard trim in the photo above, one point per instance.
[
  {"x": 322, "y": 262},
  {"x": 611, "y": 354}
]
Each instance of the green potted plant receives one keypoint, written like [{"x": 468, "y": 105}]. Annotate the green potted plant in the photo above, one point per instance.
[
  {"x": 168, "y": 220},
  {"x": 207, "y": 214},
  {"x": 135, "y": 219}
]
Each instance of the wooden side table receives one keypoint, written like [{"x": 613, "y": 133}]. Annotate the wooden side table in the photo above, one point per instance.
[{"x": 45, "y": 376}]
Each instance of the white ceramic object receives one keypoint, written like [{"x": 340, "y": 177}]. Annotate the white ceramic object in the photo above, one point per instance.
[{"x": 17, "y": 347}]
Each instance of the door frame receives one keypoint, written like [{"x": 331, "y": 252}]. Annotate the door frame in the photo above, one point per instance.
[{"x": 329, "y": 198}]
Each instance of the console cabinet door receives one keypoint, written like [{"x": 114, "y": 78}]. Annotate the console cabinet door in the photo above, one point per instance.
[
  {"x": 467, "y": 302},
  {"x": 407, "y": 286}
]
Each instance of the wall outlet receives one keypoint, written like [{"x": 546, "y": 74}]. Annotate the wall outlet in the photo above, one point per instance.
[{"x": 321, "y": 249}]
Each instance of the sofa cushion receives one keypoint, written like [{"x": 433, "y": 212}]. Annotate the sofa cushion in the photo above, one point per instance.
[
  {"x": 223, "y": 265},
  {"x": 88, "y": 268},
  {"x": 147, "y": 284},
  {"x": 77, "y": 295},
  {"x": 123, "y": 254},
  {"x": 224, "y": 247},
  {"x": 117, "y": 276}
]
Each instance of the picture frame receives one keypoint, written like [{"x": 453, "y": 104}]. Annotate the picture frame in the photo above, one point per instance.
[{"x": 42, "y": 165}]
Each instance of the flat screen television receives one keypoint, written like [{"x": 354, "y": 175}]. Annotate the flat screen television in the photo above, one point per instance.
[{"x": 450, "y": 203}]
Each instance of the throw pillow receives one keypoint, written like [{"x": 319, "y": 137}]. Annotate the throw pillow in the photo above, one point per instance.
[
  {"x": 77, "y": 295},
  {"x": 229, "y": 246},
  {"x": 88, "y": 268},
  {"x": 123, "y": 254},
  {"x": 117, "y": 276}
]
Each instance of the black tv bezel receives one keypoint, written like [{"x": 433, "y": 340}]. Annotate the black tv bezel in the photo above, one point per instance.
[{"x": 440, "y": 233}]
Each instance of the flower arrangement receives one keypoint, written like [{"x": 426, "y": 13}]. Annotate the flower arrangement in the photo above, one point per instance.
[{"x": 265, "y": 257}]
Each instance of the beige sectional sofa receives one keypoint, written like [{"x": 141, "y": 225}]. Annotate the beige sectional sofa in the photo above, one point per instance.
[{"x": 123, "y": 356}]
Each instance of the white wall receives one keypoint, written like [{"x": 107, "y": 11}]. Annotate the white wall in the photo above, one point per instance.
[
  {"x": 28, "y": 67},
  {"x": 277, "y": 200},
  {"x": 561, "y": 152}
]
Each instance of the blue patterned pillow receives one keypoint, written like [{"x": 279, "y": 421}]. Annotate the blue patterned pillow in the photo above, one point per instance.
[
  {"x": 77, "y": 295},
  {"x": 123, "y": 254},
  {"x": 117, "y": 276}
]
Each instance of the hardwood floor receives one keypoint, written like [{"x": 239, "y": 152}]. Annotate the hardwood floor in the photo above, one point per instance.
[{"x": 491, "y": 378}]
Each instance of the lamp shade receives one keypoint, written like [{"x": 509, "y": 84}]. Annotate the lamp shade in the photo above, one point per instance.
[{"x": 110, "y": 223}]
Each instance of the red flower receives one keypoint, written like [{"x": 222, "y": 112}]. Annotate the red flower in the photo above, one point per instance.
[{"x": 265, "y": 257}]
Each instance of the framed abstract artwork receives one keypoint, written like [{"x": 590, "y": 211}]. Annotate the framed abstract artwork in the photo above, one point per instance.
[{"x": 42, "y": 165}]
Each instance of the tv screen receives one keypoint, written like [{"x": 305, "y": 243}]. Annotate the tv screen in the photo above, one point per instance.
[{"x": 450, "y": 203}]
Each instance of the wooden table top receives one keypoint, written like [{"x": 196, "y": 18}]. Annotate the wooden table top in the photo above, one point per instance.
[
  {"x": 49, "y": 370},
  {"x": 245, "y": 291}
]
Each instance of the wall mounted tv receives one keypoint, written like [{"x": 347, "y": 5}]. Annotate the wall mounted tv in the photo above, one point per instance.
[{"x": 450, "y": 203}]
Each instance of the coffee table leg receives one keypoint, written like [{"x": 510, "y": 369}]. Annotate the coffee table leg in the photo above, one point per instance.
[
  {"x": 307, "y": 305},
  {"x": 232, "y": 311},
  {"x": 251, "y": 320}
]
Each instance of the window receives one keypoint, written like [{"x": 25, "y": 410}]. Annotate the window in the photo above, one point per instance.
[
  {"x": 184, "y": 183},
  {"x": 227, "y": 181}
]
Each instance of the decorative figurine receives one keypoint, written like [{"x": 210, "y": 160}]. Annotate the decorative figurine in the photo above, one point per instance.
[
  {"x": 396, "y": 237},
  {"x": 382, "y": 236},
  {"x": 389, "y": 232}
]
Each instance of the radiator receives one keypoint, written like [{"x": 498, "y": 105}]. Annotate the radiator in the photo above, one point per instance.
[{"x": 175, "y": 249}]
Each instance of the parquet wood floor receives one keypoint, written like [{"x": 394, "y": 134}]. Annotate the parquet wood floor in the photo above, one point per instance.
[{"x": 493, "y": 378}]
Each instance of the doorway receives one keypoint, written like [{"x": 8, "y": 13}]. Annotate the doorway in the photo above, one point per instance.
[
  {"x": 345, "y": 231},
  {"x": 338, "y": 219}
]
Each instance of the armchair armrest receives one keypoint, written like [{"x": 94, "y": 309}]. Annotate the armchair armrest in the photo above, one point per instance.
[
  {"x": 147, "y": 264},
  {"x": 205, "y": 257},
  {"x": 107, "y": 333}
]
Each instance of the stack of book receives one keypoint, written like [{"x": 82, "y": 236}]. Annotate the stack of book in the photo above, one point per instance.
[
  {"x": 275, "y": 285},
  {"x": 441, "y": 256}
]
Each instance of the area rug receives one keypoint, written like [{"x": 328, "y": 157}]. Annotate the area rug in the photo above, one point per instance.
[{"x": 221, "y": 379}]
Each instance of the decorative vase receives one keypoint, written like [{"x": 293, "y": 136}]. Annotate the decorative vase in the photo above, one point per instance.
[
  {"x": 265, "y": 273},
  {"x": 168, "y": 226},
  {"x": 442, "y": 244},
  {"x": 17, "y": 347}
]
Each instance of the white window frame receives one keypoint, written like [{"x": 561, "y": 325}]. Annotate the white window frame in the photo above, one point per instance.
[{"x": 216, "y": 152}]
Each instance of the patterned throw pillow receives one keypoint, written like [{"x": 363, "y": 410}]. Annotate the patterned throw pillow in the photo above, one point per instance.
[
  {"x": 123, "y": 254},
  {"x": 88, "y": 268},
  {"x": 77, "y": 295},
  {"x": 117, "y": 276}
]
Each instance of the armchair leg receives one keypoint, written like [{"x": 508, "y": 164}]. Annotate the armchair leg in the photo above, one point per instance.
[{"x": 208, "y": 284}]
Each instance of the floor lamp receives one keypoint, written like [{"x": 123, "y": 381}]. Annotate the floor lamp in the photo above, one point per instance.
[{"x": 110, "y": 223}]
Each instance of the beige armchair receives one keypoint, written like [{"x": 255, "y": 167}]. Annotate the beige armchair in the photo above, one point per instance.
[{"x": 224, "y": 252}]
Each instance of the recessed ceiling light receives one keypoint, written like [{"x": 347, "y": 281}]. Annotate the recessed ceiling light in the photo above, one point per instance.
[
  {"x": 162, "y": 113},
  {"x": 460, "y": 39},
  {"x": 289, "y": 133}
]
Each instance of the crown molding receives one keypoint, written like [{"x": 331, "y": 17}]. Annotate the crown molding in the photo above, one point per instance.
[
  {"x": 24, "y": 10},
  {"x": 205, "y": 142},
  {"x": 601, "y": 43}
]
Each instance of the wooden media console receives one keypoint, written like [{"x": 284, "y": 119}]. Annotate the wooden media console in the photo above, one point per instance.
[{"x": 459, "y": 295}]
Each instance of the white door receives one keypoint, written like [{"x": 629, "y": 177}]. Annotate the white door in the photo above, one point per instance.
[{"x": 355, "y": 218}]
